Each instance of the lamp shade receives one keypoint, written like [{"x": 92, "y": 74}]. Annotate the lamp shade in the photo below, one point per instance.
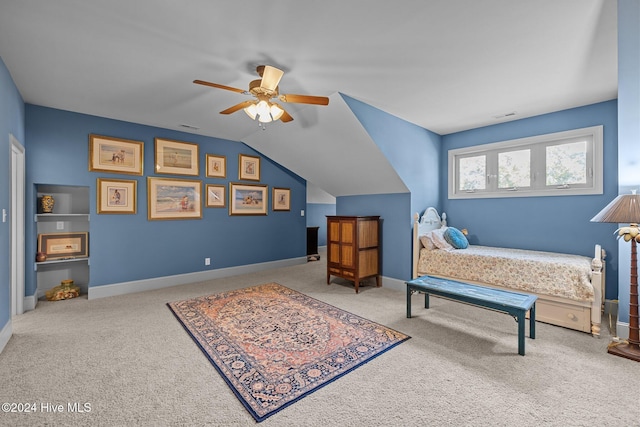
[{"x": 623, "y": 209}]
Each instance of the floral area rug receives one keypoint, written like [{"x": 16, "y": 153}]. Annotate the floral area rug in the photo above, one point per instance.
[{"x": 274, "y": 345}]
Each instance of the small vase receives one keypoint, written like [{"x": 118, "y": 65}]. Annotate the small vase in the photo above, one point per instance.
[
  {"x": 47, "y": 204},
  {"x": 41, "y": 256}
]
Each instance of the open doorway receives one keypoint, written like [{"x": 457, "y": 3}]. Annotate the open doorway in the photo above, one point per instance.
[{"x": 17, "y": 226}]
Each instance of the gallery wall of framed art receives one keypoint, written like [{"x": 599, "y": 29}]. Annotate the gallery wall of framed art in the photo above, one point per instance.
[{"x": 178, "y": 198}]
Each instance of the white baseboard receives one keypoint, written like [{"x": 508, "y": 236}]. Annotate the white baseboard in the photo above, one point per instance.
[
  {"x": 30, "y": 302},
  {"x": 395, "y": 284},
  {"x": 181, "y": 279},
  {"x": 5, "y": 335}
]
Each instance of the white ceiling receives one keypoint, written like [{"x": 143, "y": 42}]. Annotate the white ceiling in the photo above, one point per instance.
[{"x": 445, "y": 65}]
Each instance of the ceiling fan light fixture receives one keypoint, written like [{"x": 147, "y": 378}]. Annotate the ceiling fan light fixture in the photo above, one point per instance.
[
  {"x": 276, "y": 112},
  {"x": 251, "y": 111},
  {"x": 263, "y": 110},
  {"x": 264, "y": 118}
]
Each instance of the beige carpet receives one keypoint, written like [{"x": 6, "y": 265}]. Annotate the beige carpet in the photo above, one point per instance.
[{"x": 133, "y": 364}]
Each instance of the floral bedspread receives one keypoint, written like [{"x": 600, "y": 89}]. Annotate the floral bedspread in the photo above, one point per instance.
[{"x": 547, "y": 273}]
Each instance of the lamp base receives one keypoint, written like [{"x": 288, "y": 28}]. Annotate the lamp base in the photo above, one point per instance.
[{"x": 624, "y": 349}]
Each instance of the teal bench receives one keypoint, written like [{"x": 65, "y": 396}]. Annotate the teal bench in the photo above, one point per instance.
[{"x": 513, "y": 303}]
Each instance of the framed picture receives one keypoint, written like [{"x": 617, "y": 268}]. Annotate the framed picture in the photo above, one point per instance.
[
  {"x": 116, "y": 196},
  {"x": 248, "y": 167},
  {"x": 216, "y": 196},
  {"x": 64, "y": 245},
  {"x": 115, "y": 155},
  {"x": 177, "y": 158},
  {"x": 216, "y": 166},
  {"x": 247, "y": 199},
  {"x": 174, "y": 198},
  {"x": 281, "y": 200}
]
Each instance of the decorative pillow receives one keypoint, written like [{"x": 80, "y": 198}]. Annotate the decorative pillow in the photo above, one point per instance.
[
  {"x": 426, "y": 241},
  {"x": 437, "y": 236},
  {"x": 456, "y": 238}
]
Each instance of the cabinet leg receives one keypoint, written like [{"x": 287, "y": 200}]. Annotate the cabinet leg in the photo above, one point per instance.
[{"x": 378, "y": 281}]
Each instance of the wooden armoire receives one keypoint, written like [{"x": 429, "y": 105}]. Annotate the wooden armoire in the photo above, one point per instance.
[{"x": 353, "y": 248}]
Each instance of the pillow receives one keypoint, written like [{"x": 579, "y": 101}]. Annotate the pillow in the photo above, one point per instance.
[
  {"x": 437, "y": 236},
  {"x": 426, "y": 241},
  {"x": 456, "y": 238}
]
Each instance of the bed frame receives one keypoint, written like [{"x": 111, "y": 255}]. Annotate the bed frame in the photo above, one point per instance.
[{"x": 582, "y": 316}]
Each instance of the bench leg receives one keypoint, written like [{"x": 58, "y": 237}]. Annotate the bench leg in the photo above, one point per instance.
[
  {"x": 408, "y": 302},
  {"x": 532, "y": 322},
  {"x": 521, "y": 320},
  {"x": 426, "y": 300}
]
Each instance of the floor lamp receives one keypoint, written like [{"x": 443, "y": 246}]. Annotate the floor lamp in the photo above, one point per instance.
[{"x": 626, "y": 209}]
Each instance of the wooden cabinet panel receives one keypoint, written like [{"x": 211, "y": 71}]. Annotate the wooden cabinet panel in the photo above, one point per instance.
[{"x": 353, "y": 248}]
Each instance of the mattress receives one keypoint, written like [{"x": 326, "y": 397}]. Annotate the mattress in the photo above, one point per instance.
[{"x": 546, "y": 273}]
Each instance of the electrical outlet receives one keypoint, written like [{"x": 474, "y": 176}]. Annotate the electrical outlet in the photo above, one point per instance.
[
  {"x": 207, "y": 261},
  {"x": 59, "y": 225},
  {"x": 302, "y": 212}
]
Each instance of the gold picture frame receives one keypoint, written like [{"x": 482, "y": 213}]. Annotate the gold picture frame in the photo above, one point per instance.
[
  {"x": 176, "y": 157},
  {"x": 64, "y": 245},
  {"x": 281, "y": 199},
  {"x": 248, "y": 199},
  {"x": 216, "y": 166},
  {"x": 117, "y": 196},
  {"x": 115, "y": 155},
  {"x": 248, "y": 167},
  {"x": 216, "y": 197},
  {"x": 173, "y": 199}
]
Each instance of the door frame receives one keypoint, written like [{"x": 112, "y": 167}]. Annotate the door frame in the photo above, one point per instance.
[{"x": 17, "y": 225}]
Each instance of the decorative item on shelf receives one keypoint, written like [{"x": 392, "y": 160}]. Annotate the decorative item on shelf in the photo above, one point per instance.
[
  {"x": 41, "y": 257},
  {"x": 47, "y": 203},
  {"x": 65, "y": 290},
  {"x": 626, "y": 209}
]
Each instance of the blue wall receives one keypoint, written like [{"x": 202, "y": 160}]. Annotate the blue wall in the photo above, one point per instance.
[
  {"x": 393, "y": 210},
  {"x": 414, "y": 153},
  {"x": 629, "y": 127},
  {"x": 557, "y": 223},
  {"x": 11, "y": 122},
  {"x": 317, "y": 217},
  {"x": 130, "y": 247}
]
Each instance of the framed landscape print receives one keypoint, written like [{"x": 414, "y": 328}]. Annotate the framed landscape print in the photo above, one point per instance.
[
  {"x": 216, "y": 196},
  {"x": 115, "y": 155},
  {"x": 116, "y": 196},
  {"x": 216, "y": 166},
  {"x": 64, "y": 245},
  {"x": 176, "y": 158},
  {"x": 281, "y": 200},
  {"x": 174, "y": 198},
  {"x": 248, "y": 167},
  {"x": 247, "y": 199}
]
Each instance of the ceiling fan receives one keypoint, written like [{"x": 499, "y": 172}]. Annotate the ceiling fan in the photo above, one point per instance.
[{"x": 264, "y": 90}]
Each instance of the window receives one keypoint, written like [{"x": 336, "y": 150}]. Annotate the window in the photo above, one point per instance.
[{"x": 563, "y": 163}]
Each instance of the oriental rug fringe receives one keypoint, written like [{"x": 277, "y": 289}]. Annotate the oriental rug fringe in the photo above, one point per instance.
[{"x": 273, "y": 345}]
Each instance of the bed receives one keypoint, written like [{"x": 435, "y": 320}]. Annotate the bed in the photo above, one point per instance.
[{"x": 569, "y": 288}]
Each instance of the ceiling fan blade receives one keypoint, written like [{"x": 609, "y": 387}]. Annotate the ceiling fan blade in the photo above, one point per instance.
[
  {"x": 270, "y": 77},
  {"x": 236, "y": 107},
  {"x": 285, "y": 117},
  {"x": 304, "y": 99},
  {"x": 216, "y": 85}
]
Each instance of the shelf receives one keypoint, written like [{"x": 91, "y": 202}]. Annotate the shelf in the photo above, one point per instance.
[
  {"x": 57, "y": 217},
  {"x": 59, "y": 261}
]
